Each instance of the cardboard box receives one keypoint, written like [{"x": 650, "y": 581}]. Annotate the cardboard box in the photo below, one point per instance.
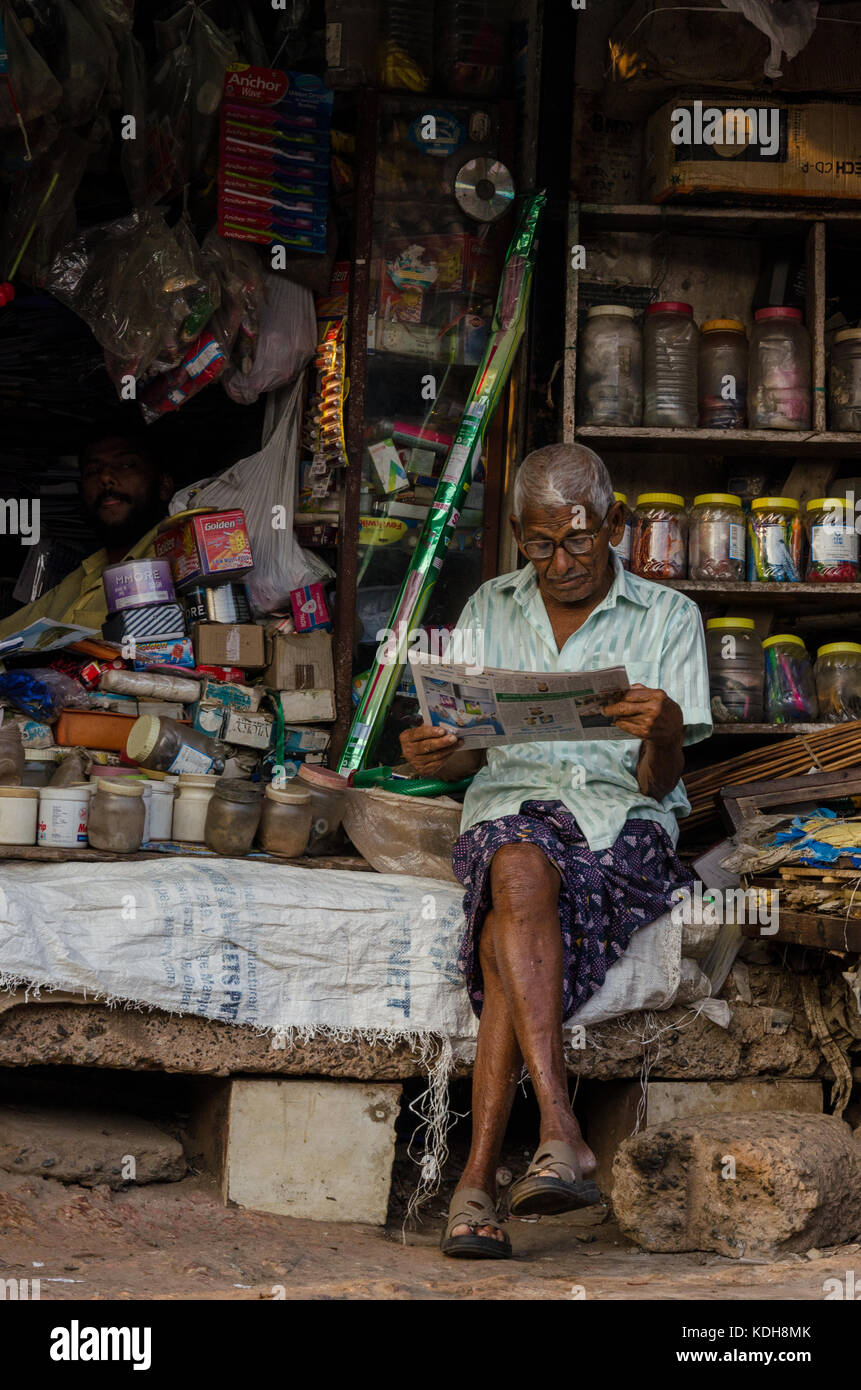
[
  {"x": 244, "y": 697},
  {"x": 210, "y": 546},
  {"x": 773, "y": 149},
  {"x": 299, "y": 740},
  {"x": 300, "y": 662},
  {"x": 309, "y": 608},
  {"x": 312, "y": 706},
  {"x": 229, "y": 644},
  {"x": 247, "y": 730}
]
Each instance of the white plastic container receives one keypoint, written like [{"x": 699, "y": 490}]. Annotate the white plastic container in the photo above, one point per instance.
[
  {"x": 63, "y": 813},
  {"x": 159, "y": 810},
  {"x": 189, "y": 812},
  {"x": 19, "y": 810},
  {"x": 40, "y": 764}
]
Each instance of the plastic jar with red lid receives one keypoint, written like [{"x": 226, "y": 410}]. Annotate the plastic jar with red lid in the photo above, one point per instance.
[
  {"x": 779, "y": 393},
  {"x": 670, "y": 347}
]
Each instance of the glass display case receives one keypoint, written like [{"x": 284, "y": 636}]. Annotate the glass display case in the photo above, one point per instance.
[{"x": 434, "y": 275}]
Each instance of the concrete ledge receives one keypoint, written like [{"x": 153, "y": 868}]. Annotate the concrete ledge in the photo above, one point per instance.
[{"x": 92, "y": 1035}]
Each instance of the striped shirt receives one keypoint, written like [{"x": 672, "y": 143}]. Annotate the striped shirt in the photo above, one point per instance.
[{"x": 654, "y": 632}]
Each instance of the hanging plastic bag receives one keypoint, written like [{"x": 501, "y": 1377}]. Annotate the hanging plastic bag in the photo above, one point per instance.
[
  {"x": 133, "y": 85},
  {"x": 264, "y": 487},
  {"x": 85, "y": 66},
  {"x": 134, "y": 285},
  {"x": 35, "y": 88},
  {"x": 94, "y": 14},
  {"x": 788, "y": 24},
  {"x": 53, "y": 181},
  {"x": 286, "y": 343}
]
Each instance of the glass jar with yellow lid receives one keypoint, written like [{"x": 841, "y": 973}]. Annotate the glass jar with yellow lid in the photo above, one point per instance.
[
  {"x": 774, "y": 540},
  {"x": 736, "y": 669},
  {"x": 844, "y": 380},
  {"x": 790, "y": 689},
  {"x": 660, "y": 541},
  {"x": 838, "y": 681},
  {"x": 716, "y": 544},
  {"x": 722, "y": 375},
  {"x": 833, "y": 554}
]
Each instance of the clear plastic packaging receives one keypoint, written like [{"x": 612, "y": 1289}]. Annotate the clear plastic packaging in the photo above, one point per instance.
[
  {"x": 670, "y": 351},
  {"x": 774, "y": 540},
  {"x": 610, "y": 367},
  {"x": 844, "y": 380},
  {"x": 838, "y": 681},
  {"x": 722, "y": 375},
  {"x": 405, "y": 54},
  {"x": 471, "y": 46},
  {"x": 716, "y": 544},
  {"x": 779, "y": 393},
  {"x": 790, "y": 689},
  {"x": 833, "y": 554},
  {"x": 232, "y": 817},
  {"x": 622, "y": 551},
  {"x": 736, "y": 671},
  {"x": 659, "y": 548},
  {"x": 117, "y": 816}
]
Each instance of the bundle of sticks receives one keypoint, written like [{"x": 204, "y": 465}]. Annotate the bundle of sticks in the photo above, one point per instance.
[{"x": 825, "y": 750}]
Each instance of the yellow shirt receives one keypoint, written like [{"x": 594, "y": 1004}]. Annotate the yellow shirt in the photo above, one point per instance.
[{"x": 80, "y": 597}]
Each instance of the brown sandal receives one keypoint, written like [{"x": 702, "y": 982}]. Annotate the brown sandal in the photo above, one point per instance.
[
  {"x": 473, "y": 1208},
  {"x": 532, "y": 1195}
]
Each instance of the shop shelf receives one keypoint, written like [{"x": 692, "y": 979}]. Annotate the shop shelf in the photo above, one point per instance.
[
  {"x": 797, "y": 443},
  {"x": 774, "y": 595},
  {"x": 760, "y": 729}
]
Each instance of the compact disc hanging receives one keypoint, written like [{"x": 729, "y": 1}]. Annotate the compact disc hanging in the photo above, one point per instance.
[{"x": 484, "y": 189}]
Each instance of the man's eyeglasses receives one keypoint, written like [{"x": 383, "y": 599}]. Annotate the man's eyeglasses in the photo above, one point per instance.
[{"x": 580, "y": 544}]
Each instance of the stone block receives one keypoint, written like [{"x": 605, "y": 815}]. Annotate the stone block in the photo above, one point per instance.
[
  {"x": 88, "y": 1147},
  {"x": 740, "y": 1185},
  {"x": 320, "y": 1150},
  {"x": 610, "y": 1111}
]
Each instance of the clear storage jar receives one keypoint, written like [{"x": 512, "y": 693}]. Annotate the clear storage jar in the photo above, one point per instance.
[
  {"x": 832, "y": 556},
  {"x": 659, "y": 547},
  {"x": 779, "y": 391},
  {"x": 622, "y": 551},
  {"x": 610, "y": 367},
  {"x": 670, "y": 350},
  {"x": 838, "y": 681},
  {"x": 328, "y": 799},
  {"x": 774, "y": 540},
  {"x": 722, "y": 375},
  {"x": 117, "y": 816},
  {"x": 716, "y": 543},
  {"x": 790, "y": 689},
  {"x": 165, "y": 745},
  {"x": 736, "y": 671},
  {"x": 232, "y": 816},
  {"x": 286, "y": 823},
  {"x": 844, "y": 380}
]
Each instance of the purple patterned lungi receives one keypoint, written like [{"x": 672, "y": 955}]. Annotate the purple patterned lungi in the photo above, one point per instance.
[{"x": 603, "y": 897}]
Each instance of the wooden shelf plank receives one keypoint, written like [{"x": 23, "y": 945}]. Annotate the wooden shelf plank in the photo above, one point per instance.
[
  {"x": 794, "y": 443},
  {"x": 760, "y": 729},
  {"x": 832, "y": 931},
  {"x": 743, "y": 592},
  {"x": 737, "y": 221}
]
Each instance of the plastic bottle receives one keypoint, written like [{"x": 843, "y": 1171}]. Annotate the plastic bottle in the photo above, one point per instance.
[
  {"x": 790, "y": 689},
  {"x": 716, "y": 544},
  {"x": 722, "y": 375},
  {"x": 670, "y": 350},
  {"x": 659, "y": 549},
  {"x": 610, "y": 367},
  {"x": 779, "y": 395}
]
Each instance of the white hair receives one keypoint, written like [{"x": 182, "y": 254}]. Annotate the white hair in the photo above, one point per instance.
[{"x": 561, "y": 475}]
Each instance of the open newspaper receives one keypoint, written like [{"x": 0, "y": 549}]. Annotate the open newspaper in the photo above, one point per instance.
[{"x": 501, "y": 706}]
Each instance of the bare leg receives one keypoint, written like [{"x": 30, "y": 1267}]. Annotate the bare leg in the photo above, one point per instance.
[
  {"x": 528, "y": 952},
  {"x": 498, "y": 1063}
]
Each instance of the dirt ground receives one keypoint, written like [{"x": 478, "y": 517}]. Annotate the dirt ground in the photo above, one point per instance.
[{"x": 177, "y": 1241}]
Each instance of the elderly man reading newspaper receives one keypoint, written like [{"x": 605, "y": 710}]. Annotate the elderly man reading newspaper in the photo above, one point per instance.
[{"x": 567, "y": 847}]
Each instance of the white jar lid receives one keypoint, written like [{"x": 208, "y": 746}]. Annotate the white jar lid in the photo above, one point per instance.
[
  {"x": 621, "y": 310},
  {"x": 41, "y": 755},
  {"x": 200, "y": 780},
  {"x": 109, "y": 785},
  {"x": 143, "y": 737},
  {"x": 78, "y": 791}
]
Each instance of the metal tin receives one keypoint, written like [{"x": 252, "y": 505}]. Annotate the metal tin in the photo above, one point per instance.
[{"x": 137, "y": 583}]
